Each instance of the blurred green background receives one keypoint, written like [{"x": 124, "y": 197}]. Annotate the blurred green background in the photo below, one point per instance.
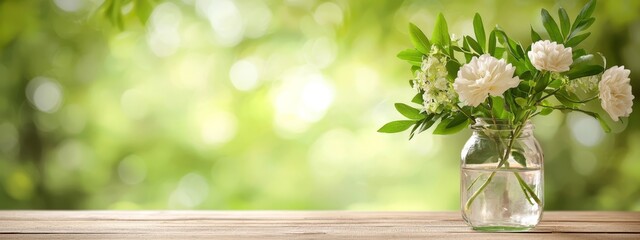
[{"x": 249, "y": 104}]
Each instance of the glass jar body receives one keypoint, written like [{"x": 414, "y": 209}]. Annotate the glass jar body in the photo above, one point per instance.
[{"x": 502, "y": 177}]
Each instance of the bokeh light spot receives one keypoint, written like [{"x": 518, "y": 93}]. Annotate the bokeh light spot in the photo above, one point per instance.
[
  {"x": 225, "y": 20},
  {"x": 69, "y": 5},
  {"x": 163, "y": 37},
  {"x": 132, "y": 170},
  {"x": 45, "y": 94},
  {"x": 321, "y": 52},
  {"x": 256, "y": 17},
  {"x": 71, "y": 154},
  {"x": 303, "y": 98},
  {"x": 192, "y": 190},
  {"x": 133, "y": 104},
  {"x": 244, "y": 75},
  {"x": 328, "y": 13},
  {"x": 218, "y": 128},
  {"x": 586, "y": 130}
]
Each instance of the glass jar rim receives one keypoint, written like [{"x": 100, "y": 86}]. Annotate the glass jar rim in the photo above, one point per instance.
[{"x": 498, "y": 124}]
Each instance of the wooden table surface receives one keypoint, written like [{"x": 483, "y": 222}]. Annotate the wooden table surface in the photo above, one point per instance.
[{"x": 299, "y": 225}]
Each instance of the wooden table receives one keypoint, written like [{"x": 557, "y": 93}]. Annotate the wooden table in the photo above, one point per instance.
[{"x": 299, "y": 225}]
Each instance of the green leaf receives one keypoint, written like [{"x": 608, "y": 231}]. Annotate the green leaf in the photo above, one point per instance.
[
  {"x": 440, "y": 34},
  {"x": 546, "y": 111},
  {"x": 478, "y": 29},
  {"x": 409, "y": 112},
  {"x": 535, "y": 36},
  {"x": 492, "y": 44},
  {"x": 574, "y": 41},
  {"x": 497, "y": 107},
  {"x": 584, "y": 59},
  {"x": 508, "y": 43},
  {"x": 582, "y": 26},
  {"x": 584, "y": 71},
  {"x": 411, "y": 55},
  {"x": 465, "y": 46},
  {"x": 451, "y": 125},
  {"x": 415, "y": 64},
  {"x": 519, "y": 157},
  {"x": 586, "y": 12},
  {"x": 457, "y": 119},
  {"x": 427, "y": 124},
  {"x": 551, "y": 26},
  {"x": 565, "y": 24},
  {"x": 578, "y": 53},
  {"x": 562, "y": 98},
  {"x": 143, "y": 10},
  {"x": 541, "y": 84},
  {"x": 419, "y": 40},
  {"x": 414, "y": 68},
  {"x": 521, "y": 102},
  {"x": 452, "y": 68},
  {"x": 473, "y": 44},
  {"x": 499, "y": 52},
  {"x": 418, "y": 98},
  {"x": 396, "y": 126},
  {"x": 482, "y": 152},
  {"x": 114, "y": 12},
  {"x": 555, "y": 83},
  {"x": 422, "y": 125}
]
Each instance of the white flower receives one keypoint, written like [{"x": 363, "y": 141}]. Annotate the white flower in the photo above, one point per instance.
[
  {"x": 615, "y": 92},
  {"x": 441, "y": 84},
  {"x": 484, "y": 76},
  {"x": 550, "y": 56}
]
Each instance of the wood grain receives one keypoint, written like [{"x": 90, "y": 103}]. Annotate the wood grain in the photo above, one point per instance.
[{"x": 299, "y": 225}]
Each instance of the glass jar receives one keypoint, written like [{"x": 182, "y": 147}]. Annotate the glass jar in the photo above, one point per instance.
[{"x": 501, "y": 187}]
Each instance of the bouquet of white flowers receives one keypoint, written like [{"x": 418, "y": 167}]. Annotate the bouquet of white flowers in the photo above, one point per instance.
[{"x": 500, "y": 78}]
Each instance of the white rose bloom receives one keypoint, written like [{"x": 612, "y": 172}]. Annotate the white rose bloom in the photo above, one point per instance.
[
  {"x": 615, "y": 92},
  {"x": 550, "y": 56},
  {"x": 484, "y": 76}
]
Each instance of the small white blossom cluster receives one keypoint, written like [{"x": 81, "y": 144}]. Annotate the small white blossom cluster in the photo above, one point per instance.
[
  {"x": 438, "y": 94},
  {"x": 585, "y": 84}
]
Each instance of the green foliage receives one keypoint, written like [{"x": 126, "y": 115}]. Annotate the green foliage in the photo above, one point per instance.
[
  {"x": 478, "y": 29},
  {"x": 452, "y": 124},
  {"x": 419, "y": 40},
  {"x": 411, "y": 55},
  {"x": 584, "y": 71},
  {"x": 417, "y": 98},
  {"x": 551, "y": 26},
  {"x": 535, "y": 36},
  {"x": 565, "y": 24},
  {"x": 491, "y": 49},
  {"x": 474, "y": 45},
  {"x": 440, "y": 34},
  {"x": 519, "y": 104},
  {"x": 408, "y": 111},
  {"x": 574, "y": 41},
  {"x": 396, "y": 126},
  {"x": 113, "y": 10},
  {"x": 519, "y": 157},
  {"x": 143, "y": 9}
]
